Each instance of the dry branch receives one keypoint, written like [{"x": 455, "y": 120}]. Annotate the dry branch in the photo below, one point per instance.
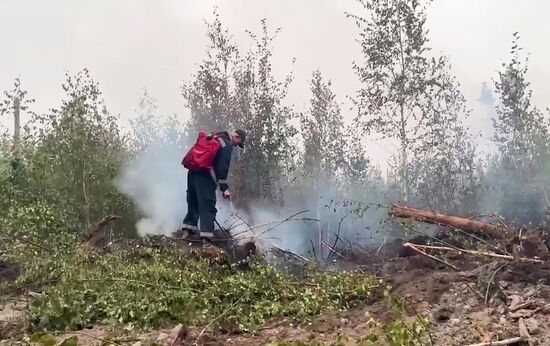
[
  {"x": 523, "y": 332},
  {"x": 214, "y": 320},
  {"x": 289, "y": 252},
  {"x": 258, "y": 236},
  {"x": 108, "y": 342},
  {"x": 332, "y": 250},
  {"x": 448, "y": 220},
  {"x": 94, "y": 234},
  {"x": 24, "y": 240},
  {"x": 499, "y": 343},
  {"x": 479, "y": 253},
  {"x": 490, "y": 282},
  {"x": 415, "y": 248},
  {"x": 337, "y": 234}
]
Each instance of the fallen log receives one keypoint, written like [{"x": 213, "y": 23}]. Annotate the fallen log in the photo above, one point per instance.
[{"x": 464, "y": 224}]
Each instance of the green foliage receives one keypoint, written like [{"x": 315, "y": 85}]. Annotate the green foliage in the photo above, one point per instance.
[
  {"x": 153, "y": 287},
  {"x": 59, "y": 181},
  {"x": 35, "y": 229},
  {"x": 397, "y": 333},
  {"x": 517, "y": 181},
  {"x": 520, "y": 130},
  {"x": 82, "y": 150},
  {"x": 232, "y": 91},
  {"x": 323, "y": 132},
  {"x": 411, "y": 97},
  {"x": 44, "y": 339},
  {"x": 69, "y": 158}
]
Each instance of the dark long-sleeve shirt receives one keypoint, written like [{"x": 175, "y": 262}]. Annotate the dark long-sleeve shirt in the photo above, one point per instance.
[{"x": 222, "y": 161}]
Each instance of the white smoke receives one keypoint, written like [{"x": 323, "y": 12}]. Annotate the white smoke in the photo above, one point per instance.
[{"x": 156, "y": 182}]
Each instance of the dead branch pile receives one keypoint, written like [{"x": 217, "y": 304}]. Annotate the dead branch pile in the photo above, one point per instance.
[
  {"x": 511, "y": 267},
  {"x": 504, "y": 243}
]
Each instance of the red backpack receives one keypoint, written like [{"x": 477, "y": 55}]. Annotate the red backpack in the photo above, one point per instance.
[{"x": 202, "y": 154}]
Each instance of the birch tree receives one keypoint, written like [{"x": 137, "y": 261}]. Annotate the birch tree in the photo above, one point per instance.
[{"x": 406, "y": 93}]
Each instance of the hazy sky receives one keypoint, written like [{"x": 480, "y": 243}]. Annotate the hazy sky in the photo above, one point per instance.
[{"x": 131, "y": 44}]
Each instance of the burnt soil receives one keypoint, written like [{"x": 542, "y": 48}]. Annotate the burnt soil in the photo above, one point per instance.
[{"x": 461, "y": 308}]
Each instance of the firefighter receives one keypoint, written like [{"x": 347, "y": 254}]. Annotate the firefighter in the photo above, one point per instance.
[{"x": 201, "y": 188}]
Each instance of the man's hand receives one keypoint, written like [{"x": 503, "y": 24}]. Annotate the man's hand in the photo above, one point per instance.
[{"x": 226, "y": 194}]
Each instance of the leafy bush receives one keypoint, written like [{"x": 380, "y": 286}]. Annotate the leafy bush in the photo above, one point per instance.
[
  {"x": 35, "y": 230},
  {"x": 164, "y": 286}
]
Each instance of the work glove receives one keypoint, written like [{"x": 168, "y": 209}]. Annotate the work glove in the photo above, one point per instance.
[{"x": 226, "y": 194}]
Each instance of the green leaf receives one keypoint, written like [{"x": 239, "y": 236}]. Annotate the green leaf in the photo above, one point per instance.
[
  {"x": 44, "y": 339},
  {"x": 72, "y": 341}
]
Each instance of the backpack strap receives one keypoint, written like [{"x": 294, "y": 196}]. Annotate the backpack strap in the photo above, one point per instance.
[{"x": 216, "y": 135}]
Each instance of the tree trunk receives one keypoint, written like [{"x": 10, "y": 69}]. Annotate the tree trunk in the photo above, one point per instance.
[
  {"x": 464, "y": 224},
  {"x": 404, "y": 158},
  {"x": 16, "y": 126}
]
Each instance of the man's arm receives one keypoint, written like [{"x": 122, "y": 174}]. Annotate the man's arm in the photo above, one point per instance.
[{"x": 221, "y": 166}]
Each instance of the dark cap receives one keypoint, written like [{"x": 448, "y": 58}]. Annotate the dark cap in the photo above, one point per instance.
[{"x": 241, "y": 134}]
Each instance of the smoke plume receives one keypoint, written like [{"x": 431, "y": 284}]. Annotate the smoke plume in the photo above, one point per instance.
[{"x": 156, "y": 181}]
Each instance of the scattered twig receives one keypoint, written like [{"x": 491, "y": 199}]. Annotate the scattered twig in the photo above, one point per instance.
[
  {"x": 332, "y": 250},
  {"x": 415, "y": 248},
  {"x": 382, "y": 243},
  {"x": 242, "y": 220},
  {"x": 521, "y": 306},
  {"x": 135, "y": 282},
  {"x": 214, "y": 320},
  {"x": 523, "y": 332},
  {"x": 96, "y": 337},
  {"x": 499, "y": 343},
  {"x": 276, "y": 223},
  {"x": 26, "y": 241},
  {"x": 418, "y": 247},
  {"x": 257, "y": 236},
  {"x": 338, "y": 233},
  {"x": 433, "y": 238},
  {"x": 424, "y": 325},
  {"x": 289, "y": 252},
  {"x": 490, "y": 282},
  {"x": 301, "y": 283},
  {"x": 291, "y": 217},
  {"x": 337, "y": 236},
  {"x": 496, "y": 248},
  {"x": 482, "y": 253},
  {"x": 313, "y": 249}
]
